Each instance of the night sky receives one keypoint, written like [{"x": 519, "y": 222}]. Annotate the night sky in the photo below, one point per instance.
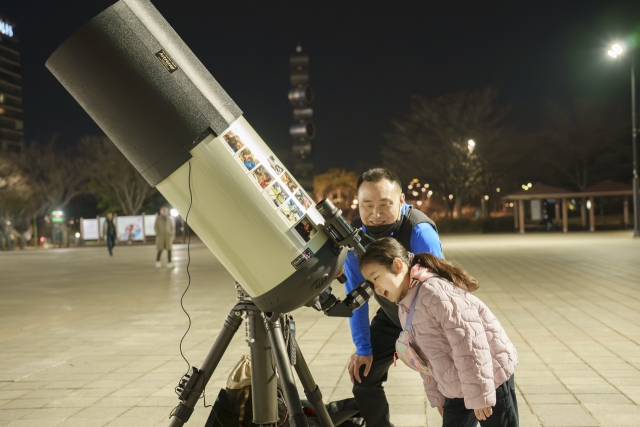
[{"x": 365, "y": 60}]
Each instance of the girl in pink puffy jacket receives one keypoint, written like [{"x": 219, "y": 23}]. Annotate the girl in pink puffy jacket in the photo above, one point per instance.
[{"x": 451, "y": 337}]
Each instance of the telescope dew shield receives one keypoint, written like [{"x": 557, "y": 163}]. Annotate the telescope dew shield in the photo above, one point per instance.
[{"x": 170, "y": 118}]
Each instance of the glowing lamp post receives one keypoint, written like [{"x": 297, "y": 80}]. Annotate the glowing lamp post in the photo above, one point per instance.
[
  {"x": 472, "y": 145},
  {"x": 615, "y": 52}
]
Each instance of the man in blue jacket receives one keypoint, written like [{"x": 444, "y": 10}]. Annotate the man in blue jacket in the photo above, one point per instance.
[{"x": 383, "y": 213}]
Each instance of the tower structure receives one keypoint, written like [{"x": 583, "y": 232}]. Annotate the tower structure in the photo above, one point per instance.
[
  {"x": 302, "y": 129},
  {"x": 11, "y": 114}
]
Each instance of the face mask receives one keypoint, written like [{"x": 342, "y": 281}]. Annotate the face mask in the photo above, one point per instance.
[{"x": 385, "y": 230}]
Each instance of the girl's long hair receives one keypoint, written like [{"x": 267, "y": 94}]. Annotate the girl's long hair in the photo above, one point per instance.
[{"x": 384, "y": 251}]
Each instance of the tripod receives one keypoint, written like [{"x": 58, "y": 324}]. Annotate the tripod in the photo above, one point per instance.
[{"x": 266, "y": 340}]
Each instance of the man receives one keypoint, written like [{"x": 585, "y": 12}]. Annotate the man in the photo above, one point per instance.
[
  {"x": 164, "y": 236},
  {"x": 383, "y": 213},
  {"x": 109, "y": 232}
]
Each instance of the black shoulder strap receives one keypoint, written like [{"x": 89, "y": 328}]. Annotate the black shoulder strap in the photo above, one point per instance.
[{"x": 412, "y": 218}]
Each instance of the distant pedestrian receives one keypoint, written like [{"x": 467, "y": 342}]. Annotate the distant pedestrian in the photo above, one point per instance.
[
  {"x": 110, "y": 231},
  {"x": 164, "y": 236}
]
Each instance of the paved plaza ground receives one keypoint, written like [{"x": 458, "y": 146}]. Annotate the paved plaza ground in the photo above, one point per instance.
[{"x": 88, "y": 340}]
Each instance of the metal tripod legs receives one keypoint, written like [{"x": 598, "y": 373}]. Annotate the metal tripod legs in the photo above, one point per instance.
[
  {"x": 194, "y": 383},
  {"x": 311, "y": 390},
  {"x": 266, "y": 342}
]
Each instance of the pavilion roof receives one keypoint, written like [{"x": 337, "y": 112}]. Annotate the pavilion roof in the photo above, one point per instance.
[
  {"x": 607, "y": 188},
  {"x": 541, "y": 189}
]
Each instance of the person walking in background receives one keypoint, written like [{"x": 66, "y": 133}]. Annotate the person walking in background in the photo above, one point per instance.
[
  {"x": 164, "y": 236},
  {"x": 109, "y": 232}
]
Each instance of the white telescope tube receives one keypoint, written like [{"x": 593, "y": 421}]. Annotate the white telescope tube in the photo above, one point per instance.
[{"x": 170, "y": 118}]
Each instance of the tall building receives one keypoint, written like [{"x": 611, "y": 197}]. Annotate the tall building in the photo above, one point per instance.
[
  {"x": 302, "y": 129},
  {"x": 11, "y": 114}
]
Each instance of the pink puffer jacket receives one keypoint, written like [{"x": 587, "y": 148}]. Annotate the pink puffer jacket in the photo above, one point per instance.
[{"x": 464, "y": 345}]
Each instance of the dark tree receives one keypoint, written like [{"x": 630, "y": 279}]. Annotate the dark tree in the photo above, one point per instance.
[
  {"x": 56, "y": 175},
  {"x": 585, "y": 142},
  {"x": 433, "y": 143},
  {"x": 16, "y": 192},
  {"x": 114, "y": 181}
]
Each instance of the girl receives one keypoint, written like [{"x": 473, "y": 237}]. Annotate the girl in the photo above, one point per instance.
[{"x": 451, "y": 337}]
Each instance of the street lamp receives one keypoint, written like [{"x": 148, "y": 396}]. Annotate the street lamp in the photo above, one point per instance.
[
  {"x": 471, "y": 144},
  {"x": 615, "y": 52}
]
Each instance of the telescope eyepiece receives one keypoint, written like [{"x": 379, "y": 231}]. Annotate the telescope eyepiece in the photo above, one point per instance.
[{"x": 359, "y": 295}]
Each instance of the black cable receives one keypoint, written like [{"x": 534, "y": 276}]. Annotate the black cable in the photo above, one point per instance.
[{"x": 186, "y": 224}]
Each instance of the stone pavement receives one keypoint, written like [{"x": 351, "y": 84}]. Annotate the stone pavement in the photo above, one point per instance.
[{"x": 88, "y": 340}]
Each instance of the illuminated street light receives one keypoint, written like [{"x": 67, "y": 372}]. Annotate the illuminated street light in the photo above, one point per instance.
[
  {"x": 174, "y": 212},
  {"x": 616, "y": 51},
  {"x": 471, "y": 144}
]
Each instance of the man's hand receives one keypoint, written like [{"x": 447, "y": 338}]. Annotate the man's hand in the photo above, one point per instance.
[
  {"x": 483, "y": 413},
  {"x": 441, "y": 411},
  {"x": 354, "y": 366}
]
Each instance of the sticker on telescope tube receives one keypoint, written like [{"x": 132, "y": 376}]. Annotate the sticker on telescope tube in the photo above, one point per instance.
[
  {"x": 233, "y": 142},
  {"x": 247, "y": 159},
  {"x": 302, "y": 258},
  {"x": 304, "y": 199},
  {"x": 305, "y": 229},
  {"x": 276, "y": 194},
  {"x": 291, "y": 211},
  {"x": 276, "y": 165},
  {"x": 262, "y": 177},
  {"x": 289, "y": 182}
]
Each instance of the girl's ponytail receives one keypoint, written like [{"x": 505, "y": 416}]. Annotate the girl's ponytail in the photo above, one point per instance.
[
  {"x": 384, "y": 251},
  {"x": 456, "y": 275}
]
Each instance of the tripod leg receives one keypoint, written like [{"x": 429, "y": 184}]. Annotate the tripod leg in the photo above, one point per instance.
[
  {"x": 197, "y": 379},
  {"x": 311, "y": 390},
  {"x": 294, "y": 406},
  {"x": 264, "y": 384}
]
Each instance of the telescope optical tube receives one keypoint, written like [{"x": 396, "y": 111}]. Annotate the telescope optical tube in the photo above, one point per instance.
[{"x": 159, "y": 105}]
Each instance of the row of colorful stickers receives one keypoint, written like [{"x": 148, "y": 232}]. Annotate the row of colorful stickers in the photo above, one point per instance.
[{"x": 275, "y": 183}]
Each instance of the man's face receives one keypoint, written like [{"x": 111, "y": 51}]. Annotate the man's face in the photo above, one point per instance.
[
  {"x": 164, "y": 211},
  {"x": 379, "y": 202},
  {"x": 109, "y": 216}
]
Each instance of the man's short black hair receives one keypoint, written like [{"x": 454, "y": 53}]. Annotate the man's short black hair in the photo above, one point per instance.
[{"x": 377, "y": 175}]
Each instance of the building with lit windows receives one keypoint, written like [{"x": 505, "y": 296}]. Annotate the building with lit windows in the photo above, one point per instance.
[{"x": 11, "y": 114}]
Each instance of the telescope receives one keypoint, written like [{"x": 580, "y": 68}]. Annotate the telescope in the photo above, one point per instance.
[{"x": 171, "y": 119}]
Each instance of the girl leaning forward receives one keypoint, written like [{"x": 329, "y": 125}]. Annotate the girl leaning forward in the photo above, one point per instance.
[{"x": 451, "y": 337}]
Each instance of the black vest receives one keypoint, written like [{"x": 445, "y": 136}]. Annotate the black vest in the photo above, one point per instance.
[{"x": 410, "y": 219}]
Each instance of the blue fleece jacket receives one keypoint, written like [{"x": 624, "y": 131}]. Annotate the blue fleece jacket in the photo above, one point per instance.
[{"x": 424, "y": 238}]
